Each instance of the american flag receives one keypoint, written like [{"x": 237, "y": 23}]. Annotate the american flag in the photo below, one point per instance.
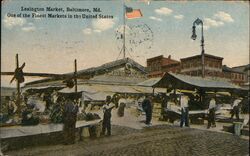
[{"x": 133, "y": 13}]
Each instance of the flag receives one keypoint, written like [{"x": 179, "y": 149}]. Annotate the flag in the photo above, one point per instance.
[{"x": 132, "y": 13}]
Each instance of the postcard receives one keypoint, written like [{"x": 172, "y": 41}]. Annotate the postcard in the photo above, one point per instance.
[{"x": 124, "y": 77}]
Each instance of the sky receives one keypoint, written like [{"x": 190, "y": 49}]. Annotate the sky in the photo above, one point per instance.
[{"x": 50, "y": 45}]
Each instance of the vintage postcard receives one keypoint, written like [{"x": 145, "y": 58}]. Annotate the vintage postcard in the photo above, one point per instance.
[{"x": 124, "y": 77}]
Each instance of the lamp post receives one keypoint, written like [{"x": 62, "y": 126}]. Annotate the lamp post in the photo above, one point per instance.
[{"x": 194, "y": 36}]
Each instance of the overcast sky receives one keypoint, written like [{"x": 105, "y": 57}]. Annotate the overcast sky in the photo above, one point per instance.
[{"x": 51, "y": 45}]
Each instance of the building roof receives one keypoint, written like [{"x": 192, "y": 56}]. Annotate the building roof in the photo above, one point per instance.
[
  {"x": 206, "y": 55},
  {"x": 168, "y": 61},
  {"x": 242, "y": 68},
  {"x": 191, "y": 83},
  {"x": 225, "y": 68},
  {"x": 94, "y": 71},
  {"x": 155, "y": 58},
  {"x": 164, "y": 60},
  {"x": 110, "y": 66}
]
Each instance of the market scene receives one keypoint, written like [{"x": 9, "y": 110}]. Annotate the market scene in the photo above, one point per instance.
[{"x": 193, "y": 105}]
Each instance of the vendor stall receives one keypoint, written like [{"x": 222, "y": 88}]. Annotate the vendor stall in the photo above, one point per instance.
[{"x": 203, "y": 88}]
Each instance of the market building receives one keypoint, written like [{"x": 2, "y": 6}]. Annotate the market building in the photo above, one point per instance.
[
  {"x": 159, "y": 65},
  {"x": 193, "y": 66},
  {"x": 236, "y": 76},
  {"x": 246, "y": 70},
  {"x": 94, "y": 84}
]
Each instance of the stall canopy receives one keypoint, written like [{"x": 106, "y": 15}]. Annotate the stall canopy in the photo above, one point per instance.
[
  {"x": 178, "y": 81},
  {"x": 100, "y": 91},
  {"x": 150, "y": 82}
]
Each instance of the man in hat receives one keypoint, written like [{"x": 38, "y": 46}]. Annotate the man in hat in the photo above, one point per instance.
[
  {"x": 107, "y": 108},
  {"x": 70, "y": 114},
  {"x": 147, "y": 107},
  {"x": 211, "y": 113},
  {"x": 184, "y": 111}
]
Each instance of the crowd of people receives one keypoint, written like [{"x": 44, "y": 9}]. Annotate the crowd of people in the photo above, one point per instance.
[{"x": 65, "y": 109}]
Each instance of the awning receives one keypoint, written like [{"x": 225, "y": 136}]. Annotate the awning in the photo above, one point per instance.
[
  {"x": 150, "y": 82},
  {"x": 178, "y": 81},
  {"x": 99, "y": 92},
  {"x": 93, "y": 88},
  {"x": 97, "y": 96}
]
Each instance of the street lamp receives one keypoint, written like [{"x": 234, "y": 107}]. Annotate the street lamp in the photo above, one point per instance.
[{"x": 194, "y": 36}]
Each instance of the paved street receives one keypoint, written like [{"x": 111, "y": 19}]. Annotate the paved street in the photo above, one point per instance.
[{"x": 157, "y": 140}]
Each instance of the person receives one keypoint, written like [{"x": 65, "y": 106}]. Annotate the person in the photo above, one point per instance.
[
  {"x": 121, "y": 106},
  {"x": 236, "y": 109},
  {"x": 12, "y": 108},
  {"x": 107, "y": 108},
  {"x": 211, "y": 113},
  {"x": 48, "y": 101},
  {"x": 164, "y": 103},
  {"x": 29, "y": 117},
  {"x": 147, "y": 107},
  {"x": 70, "y": 114},
  {"x": 56, "y": 111},
  {"x": 184, "y": 111},
  {"x": 54, "y": 97}
]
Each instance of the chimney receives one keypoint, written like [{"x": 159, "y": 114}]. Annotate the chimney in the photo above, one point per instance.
[{"x": 169, "y": 56}]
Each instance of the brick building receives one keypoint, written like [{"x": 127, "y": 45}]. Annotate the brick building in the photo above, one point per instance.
[
  {"x": 245, "y": 78},
  {"x": 193, "y": 66},
  {"x": 236, "y": 76},
  {"x": 158, "y": 65}
]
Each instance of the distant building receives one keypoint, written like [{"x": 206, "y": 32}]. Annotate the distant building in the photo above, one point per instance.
[
  {"x": 193, "y": 66},
  {"x": 236, "y": 76},
  {"x": 246, "y": 70},
  {"x": 158, "y": 65}
]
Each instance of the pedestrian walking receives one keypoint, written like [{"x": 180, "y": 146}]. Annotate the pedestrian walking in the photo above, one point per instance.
[
  {"x": 147, "y": 107},
  {"x": 211, "y": 113},
  {"x": 236, "y": 109},
  {"x": 107, "y": 108},
  {"x": 184, "y": 111},
  {"x": 70, "y": 114}
]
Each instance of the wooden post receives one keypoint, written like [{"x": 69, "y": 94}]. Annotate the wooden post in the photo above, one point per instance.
[
  {"x": 75, "y": 76},
  {"x": 215, "y": 96},
  {"x": 18, "y": 88}
]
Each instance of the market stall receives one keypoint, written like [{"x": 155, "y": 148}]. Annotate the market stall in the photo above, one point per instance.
[{"x": 197, "y": 87}]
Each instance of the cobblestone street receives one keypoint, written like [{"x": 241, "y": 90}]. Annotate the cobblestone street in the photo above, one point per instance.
[{"x": 156, "y": 140}]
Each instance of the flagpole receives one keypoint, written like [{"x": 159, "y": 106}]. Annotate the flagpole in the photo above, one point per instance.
[{"x": 124, "y": 12}]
